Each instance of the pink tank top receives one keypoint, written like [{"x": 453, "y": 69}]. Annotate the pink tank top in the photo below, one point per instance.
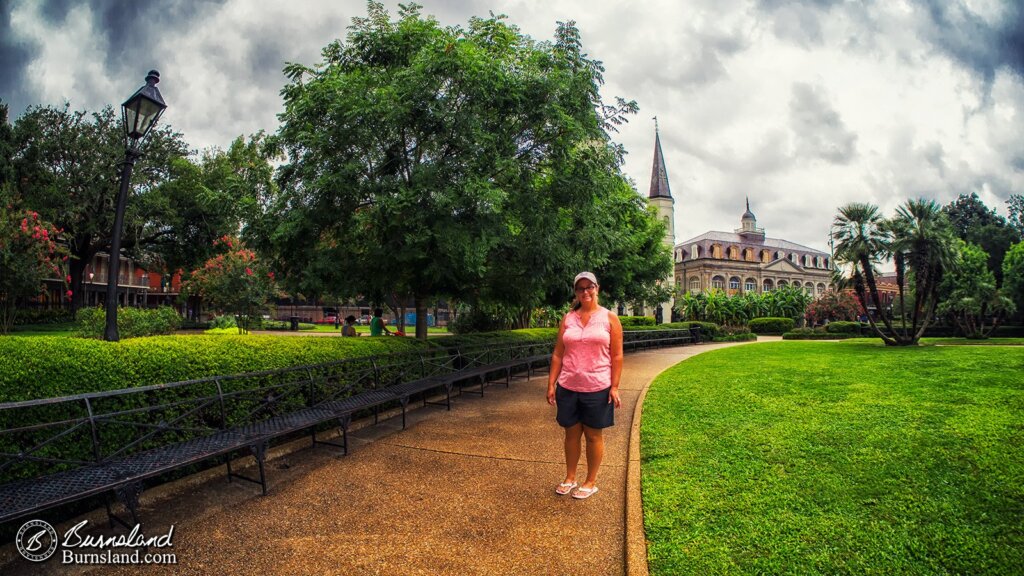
[{"x": 586, "y": 362}]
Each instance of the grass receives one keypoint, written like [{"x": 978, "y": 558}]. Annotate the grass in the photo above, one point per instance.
[
  {"x": 52, "y": 329},
  {"x": 836, "y": 458}
]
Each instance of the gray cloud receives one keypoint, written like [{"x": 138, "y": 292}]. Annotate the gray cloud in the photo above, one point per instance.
[
  {"x": 14, "y": 56},
  {"x": 973, "y": 41},
  {"x": 818, "y": 128}
]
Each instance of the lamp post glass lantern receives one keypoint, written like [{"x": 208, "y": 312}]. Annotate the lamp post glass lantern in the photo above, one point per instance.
[{"x": 139, "y": 114}]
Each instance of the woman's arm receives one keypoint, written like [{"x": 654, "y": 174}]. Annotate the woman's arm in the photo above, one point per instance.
[
  {"x": 616, "y": 357},
  {"x": 556, "y": 363}
]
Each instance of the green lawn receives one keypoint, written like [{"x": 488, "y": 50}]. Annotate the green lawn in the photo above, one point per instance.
[
  {"x": 53, "y": 329},
  {"x": 836, "y": 458}
]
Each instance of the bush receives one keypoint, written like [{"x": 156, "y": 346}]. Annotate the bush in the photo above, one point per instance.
[
  {"x": 42, "y": 316},
  {"x": 815, "y": 334},
  {"x": 843, "y": 327},
  {"x": 737, "y": 337},
  {"x": 707, "y": 329},
  {"x": 771, "y": 325},
  {"x": 131, "y": 322},
  {"x": 222, "y": 322},
  {"x": 631, "y": 321}
]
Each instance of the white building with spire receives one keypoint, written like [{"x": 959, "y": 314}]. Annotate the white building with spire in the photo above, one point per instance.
[
  {"x": 745, "y": 260},
  {"x": 660, "y": 196}
]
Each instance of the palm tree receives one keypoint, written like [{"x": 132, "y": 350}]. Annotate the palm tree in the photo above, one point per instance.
[
  {"x": 923, "y": 244},
  {"x": 861, "y": 240}
]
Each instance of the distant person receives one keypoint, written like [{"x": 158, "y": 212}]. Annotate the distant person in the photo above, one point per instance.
[
  {"x": 349, "y": 329},
  {"x": 377, "y": 327},
  {"x": 337, "y": 320},
  {"x": 584, "y": 382}
]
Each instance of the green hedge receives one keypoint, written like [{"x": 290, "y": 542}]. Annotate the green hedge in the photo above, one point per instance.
[
  {"x": 707, "y": 329},
  {"x": 630, "y": 321},
  {"x": 131, "y": 322},
  {"x": 738, "y": 337},
  {"x": 843, "y": 327},
  {"x": 771, "y": 325},
  {"x": 815, "y": 334},
  {"x": 47, "y": 366},
  {"x": 26, "y": 316}
]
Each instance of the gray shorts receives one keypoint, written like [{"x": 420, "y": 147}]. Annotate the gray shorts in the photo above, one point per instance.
[{"x": 590, "y": 408}]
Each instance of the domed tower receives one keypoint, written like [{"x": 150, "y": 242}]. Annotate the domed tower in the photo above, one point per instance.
[
  {"x": 660, "y": 197},
  {"x": 748, "y": 226}
]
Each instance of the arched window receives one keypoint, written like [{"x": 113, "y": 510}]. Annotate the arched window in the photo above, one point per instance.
[
  {"x": 716, "y": 250},
  {"x": 792, "y": 257},
  {"x": 718, "y": 282},
  {"x": 779, "y": 254},
  {"x": 821, "y": 288},
  {"x": 808, "y": 261},
  {"x": 696, "y": 252},
  {"x": 766, "y": 256},
  {"x": 734, "y": 283},
  {"x": 749, "y": 285},
  {"x": 748, "y": 254},
  {"x": 767, "y": 285},
  {"x": 828, "y": 264},
  {"x": 734, "y": 253},
  {"x": 796, "y": 284},
  {"x": 694, "y": 285},
  {"x": 783, "y": 284}
]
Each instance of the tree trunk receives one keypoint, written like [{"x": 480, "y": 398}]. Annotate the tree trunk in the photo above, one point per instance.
[{"x": 421, "y": 317}]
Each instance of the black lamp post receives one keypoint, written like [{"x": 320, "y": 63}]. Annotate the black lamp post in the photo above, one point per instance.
[{"x": 139, "y": 113}]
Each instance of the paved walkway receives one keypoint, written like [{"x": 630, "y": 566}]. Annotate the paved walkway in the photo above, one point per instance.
[{"x": 463, "y": 492}]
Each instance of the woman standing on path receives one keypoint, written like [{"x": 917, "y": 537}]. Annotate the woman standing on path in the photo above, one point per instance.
[{"x": 584, "y": 381}]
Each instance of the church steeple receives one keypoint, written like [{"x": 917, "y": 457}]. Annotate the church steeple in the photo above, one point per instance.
[{"x": 659, "y": 176}]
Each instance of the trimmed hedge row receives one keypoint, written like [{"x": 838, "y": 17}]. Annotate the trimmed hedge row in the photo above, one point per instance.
[
  {"x": 631, "y": 321},
  {"x": 816, "y": 334},
  {"x": 771, "y": 325},
  {"x": 50, "y": 366}
]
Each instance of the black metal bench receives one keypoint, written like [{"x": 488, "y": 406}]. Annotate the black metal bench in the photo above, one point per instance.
[{"x": 137, "y": 434}]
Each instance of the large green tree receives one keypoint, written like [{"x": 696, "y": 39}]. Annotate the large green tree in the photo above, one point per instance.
[
  {"x": 1015, "y": 208},
  {"x": 976, "y": 223},
  {"x": 1013, "y": 274},
  {"x": 67, "y": 166},
  {"x": 427, "y": 161},
  {"x": 970, "y": 296}
]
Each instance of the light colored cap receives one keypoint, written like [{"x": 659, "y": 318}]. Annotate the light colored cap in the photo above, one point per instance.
[{"x": 588, "y": 275}]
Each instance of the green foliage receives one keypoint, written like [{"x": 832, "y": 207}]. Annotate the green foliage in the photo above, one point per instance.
[
  {"x": 976, "y": 223},
  {"x": 970, "y": 295},
  {"x": 466, "y": 162},
  {"x": 28, "y": 316},
  {"x": 717, "y": 306},
  {"x": 1015, "y": 207},
  {"x": 771, "y": 325},
  {"x": 67, "y": 166},
  {"x": 44, "y": 366},
  {"x": 835, "y": 458},
  {"x": 1013, "y": 274},
  {"x": 235, "y": 282},
  {"x": 29, "y": 254},
  {"x": 819, "y": 333},
  {"x": 842, "y": 327},
  {"x": 132, "y": 322},
  {"x": 223, "y": 322},
  {"x": 630, "y": 321},
  {"x": 736, "y": 337}
]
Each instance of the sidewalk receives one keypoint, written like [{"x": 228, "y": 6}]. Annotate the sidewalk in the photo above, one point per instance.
[{"x": 469, "y": 491}]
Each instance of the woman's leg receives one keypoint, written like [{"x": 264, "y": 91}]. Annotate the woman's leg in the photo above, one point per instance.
[
  {"x": 573, "y": 436},
  {"x": 595, "y": 453}
]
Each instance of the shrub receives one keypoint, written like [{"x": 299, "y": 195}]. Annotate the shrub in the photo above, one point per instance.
[
  {"x": 707, "y": 329},
  {"x": 771, "y": 325},
  {"x": 222, "y": 322},
  {"x": 43, "y": 316},
  {"x": 630, "y": 321},
  {"x": 737, "y": 337},
  {"x": 815, "y": 334},
  {"x": 131, "y": 322},
  {"x": 843, "y": 327}
]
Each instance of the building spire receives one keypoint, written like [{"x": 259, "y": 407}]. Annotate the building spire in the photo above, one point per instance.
[{"x": 659, "y": 176}]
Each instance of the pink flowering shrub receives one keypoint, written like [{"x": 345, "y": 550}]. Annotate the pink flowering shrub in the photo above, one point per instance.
[
  {"x": 29, "y": 254},
  {"x": 234, "y": 282}
]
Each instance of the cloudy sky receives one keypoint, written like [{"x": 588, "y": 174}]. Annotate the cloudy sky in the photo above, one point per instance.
[{"x": 802, "y": 105}]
